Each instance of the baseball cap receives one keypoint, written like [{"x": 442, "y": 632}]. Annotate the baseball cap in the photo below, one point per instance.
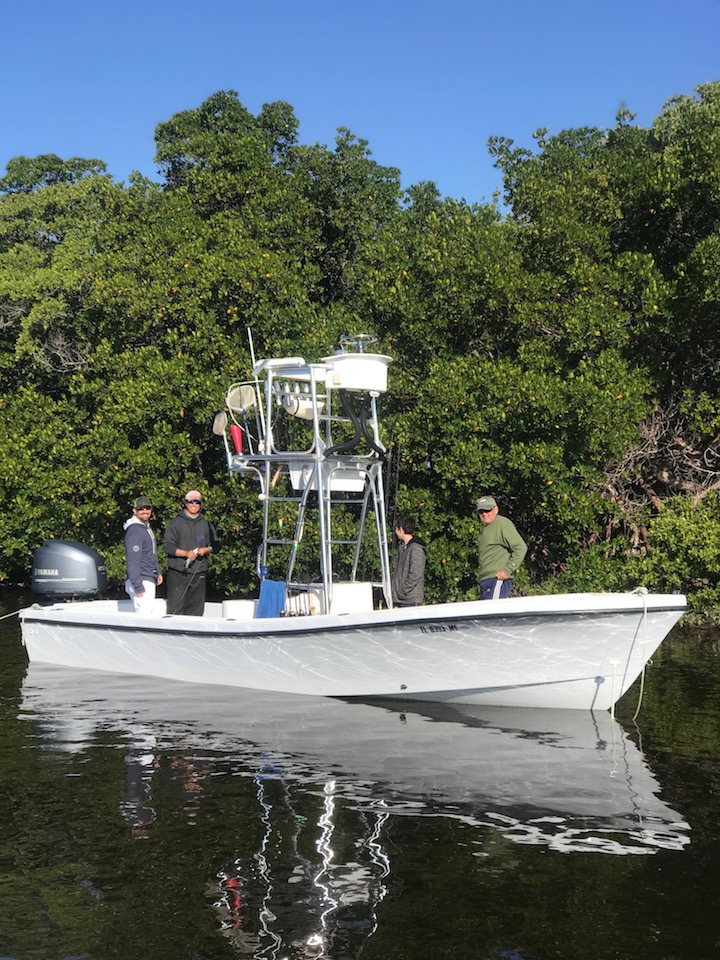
[
  {"x": 142, "y": 502},
  {"x": 486, "y": 503}
]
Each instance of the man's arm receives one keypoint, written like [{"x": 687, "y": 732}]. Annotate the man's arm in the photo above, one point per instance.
[
  {"x": 517, "y": 548},
  {"x": 170, "y": 539},
  {"x": 133, "y": 555},
  {"x": 214, "y": 542}
]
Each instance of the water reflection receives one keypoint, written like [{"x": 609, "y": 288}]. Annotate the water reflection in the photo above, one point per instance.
[
  {"x": 324, "y": 780},
  {"x": 294, "y": 889}
]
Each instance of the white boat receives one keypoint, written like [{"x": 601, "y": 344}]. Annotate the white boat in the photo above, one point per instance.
[{"x": 308, "y": 435}]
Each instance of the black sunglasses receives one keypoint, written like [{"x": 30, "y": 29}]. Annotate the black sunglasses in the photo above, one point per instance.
[
  {"x": 193, "y": 501},
  {"x": 487, "y": 510}
]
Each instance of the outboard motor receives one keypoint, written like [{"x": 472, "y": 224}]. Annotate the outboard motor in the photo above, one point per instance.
[{"x": 65, "y": 570}]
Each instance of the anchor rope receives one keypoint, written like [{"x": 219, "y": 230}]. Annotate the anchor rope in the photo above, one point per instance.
[{"x": 645, "y": 663}]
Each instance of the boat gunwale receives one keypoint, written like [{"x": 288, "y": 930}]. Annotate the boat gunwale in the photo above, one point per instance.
[{"x": 281, "y": 627}]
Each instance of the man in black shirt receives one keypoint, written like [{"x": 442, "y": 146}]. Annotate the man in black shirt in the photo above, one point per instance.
[{"x": 188, "y": 541}]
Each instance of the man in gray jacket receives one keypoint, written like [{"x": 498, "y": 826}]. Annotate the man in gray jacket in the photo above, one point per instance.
[
  {"x": 408, "y": 584},
  {"x": 143, "y": 569}
]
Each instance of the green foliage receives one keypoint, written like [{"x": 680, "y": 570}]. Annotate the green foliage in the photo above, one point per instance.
[
  {"x": 26, "y": 174},
  {"x": 529, "y": 350},
  {"x": 685, "y": 550},
  {"x": 683, "y": 557},
  {"x": 599, "y": 567}
]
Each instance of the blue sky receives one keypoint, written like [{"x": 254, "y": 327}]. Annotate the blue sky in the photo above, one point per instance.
[{"x": 425, "y": 83}]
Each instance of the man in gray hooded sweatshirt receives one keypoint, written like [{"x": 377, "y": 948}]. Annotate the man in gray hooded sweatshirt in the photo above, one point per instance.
[
  {"x": 143, "y": 569},
  {"x": 408, "y": 583}
]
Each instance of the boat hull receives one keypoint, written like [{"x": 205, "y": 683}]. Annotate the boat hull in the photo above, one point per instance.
[{"x": 579, "y": 651}]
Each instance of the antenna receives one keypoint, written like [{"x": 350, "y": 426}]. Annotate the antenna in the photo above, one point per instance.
[
  {"x": 356, "y": 342},
  {"x": 258, "y": 393},
  {"x": 252, "y": 348}
]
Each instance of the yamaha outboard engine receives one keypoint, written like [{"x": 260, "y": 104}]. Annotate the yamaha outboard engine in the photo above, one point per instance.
[{"x": 65, "y": 570}]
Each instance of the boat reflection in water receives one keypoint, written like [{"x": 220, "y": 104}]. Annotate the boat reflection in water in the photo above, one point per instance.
[{"x": 570, "y": 781}]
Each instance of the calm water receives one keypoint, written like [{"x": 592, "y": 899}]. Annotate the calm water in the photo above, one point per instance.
[{"x": 155, "y": 820}]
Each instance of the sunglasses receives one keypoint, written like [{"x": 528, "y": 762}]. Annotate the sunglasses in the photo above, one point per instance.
[
  {"x": 488, "y": 510},
  {"x": 143, "y": 508},
  {"x": 193, "y": 501}
]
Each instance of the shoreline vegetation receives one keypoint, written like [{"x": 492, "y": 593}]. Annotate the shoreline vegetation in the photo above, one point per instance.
[{"x": 556, "y": 348}]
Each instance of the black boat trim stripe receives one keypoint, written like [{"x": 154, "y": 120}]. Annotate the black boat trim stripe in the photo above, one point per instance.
[{"x": 227, "y": 629}]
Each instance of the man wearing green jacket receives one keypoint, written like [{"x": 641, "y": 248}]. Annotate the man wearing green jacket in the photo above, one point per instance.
[{"x": 501, "y": 551}]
